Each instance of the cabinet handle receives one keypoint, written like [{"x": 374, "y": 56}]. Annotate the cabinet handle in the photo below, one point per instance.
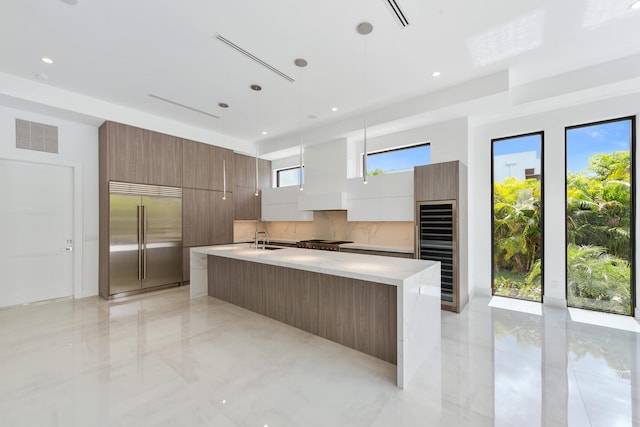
[
  {"x": 224, "y": 179},
  {"x": 139, "y": 242},
  {"x": 144, "y": 241}
]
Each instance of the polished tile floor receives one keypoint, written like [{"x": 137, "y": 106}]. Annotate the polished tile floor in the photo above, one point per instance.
[{"x": 165, "y": 360}]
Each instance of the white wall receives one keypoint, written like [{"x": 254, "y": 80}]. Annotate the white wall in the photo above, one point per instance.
[
  {"x": 553, "y": 124},
  {"x": 448, "y": 141},
  {"x": 78, "y": 148}
]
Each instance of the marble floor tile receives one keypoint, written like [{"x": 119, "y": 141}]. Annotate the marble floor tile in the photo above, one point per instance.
[{"x": 164, "y": 359}]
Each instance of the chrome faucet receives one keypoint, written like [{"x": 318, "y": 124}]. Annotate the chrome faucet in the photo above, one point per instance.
[{"x": 265, "y": 233}]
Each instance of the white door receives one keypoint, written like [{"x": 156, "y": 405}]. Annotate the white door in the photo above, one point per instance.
[{"x": 36, "y": 232}]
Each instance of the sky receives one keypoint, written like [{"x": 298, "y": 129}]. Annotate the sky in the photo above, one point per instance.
[
  {"x": 585, "y": 141},
  {"x": 582, "y": 143},
  {"x": 400, "y": 159}
]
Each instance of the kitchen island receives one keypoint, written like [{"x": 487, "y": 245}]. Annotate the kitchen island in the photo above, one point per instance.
[{"x": 386, "y": 307}]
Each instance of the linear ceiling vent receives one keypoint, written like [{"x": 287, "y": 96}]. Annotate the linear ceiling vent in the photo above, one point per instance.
[
  {"x": 177, "y": 104},
  {"x": 36, "y": 136},
  {"x": 253, "y": 57},
  {"x": 398, "y": 13}
]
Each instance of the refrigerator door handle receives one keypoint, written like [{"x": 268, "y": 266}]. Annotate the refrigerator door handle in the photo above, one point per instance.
[
  {"x": 144, "y": 242},
  {"x": 139, "y": 242}
]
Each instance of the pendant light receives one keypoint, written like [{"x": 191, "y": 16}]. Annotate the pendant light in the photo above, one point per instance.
[
  {"x": 301, "y": 63},
  {"x": 365, "y": 28},
  {"x": 224, "y": 162},
  {"x": 256, "y": 89}
]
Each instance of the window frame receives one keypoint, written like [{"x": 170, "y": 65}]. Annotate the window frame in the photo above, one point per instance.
[
  {"x": 287, "y": 169},
  {"x": 632, "y": 239},
  {"x": 542, "y": 217},
  {"x": 389, "y": 150}
]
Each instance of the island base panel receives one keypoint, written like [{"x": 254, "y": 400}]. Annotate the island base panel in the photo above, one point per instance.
[{"x": 355, "y": 313}]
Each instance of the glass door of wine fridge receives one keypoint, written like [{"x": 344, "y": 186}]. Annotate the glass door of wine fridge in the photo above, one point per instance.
[{"x": 436, "y": 240}]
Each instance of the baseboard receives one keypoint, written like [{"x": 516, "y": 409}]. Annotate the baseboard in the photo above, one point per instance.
[
  {"x": 481, "y": 292},
  {"x": 555, "y": 302}
]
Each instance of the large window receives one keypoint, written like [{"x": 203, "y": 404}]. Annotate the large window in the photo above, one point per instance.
[
  {"x": 398, "y": 159},
  {"x": 288, "y": 177},
  {"x": 600, "y": 215},
  {"x": 517, "y": 217}
]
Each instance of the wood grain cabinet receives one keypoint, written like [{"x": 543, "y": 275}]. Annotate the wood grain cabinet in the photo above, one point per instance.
[
  {"x": 207, "y": 219},
  {"x": 441, "y": 227},
  {"x": 247, "y": 204},
  {"x": 203, "y": 166},
  {"x": 140, "y": 156}
]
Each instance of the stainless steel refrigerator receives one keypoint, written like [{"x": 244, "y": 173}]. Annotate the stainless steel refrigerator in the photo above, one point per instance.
[{"x": 145, "y": 237}]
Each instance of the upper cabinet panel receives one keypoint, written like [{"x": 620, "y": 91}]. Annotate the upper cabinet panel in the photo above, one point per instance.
[
  {"x": 140, "y": 156},
  {"x": 438, "y": 181},
  {"x": 196, "y": 165},
  {"x": 127, "y": 151},
  {"x": 221, "y": 169},
  {"x": 165, "y": 159}
]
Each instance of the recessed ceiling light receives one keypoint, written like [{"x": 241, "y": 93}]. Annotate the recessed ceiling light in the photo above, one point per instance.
[
  {"x": 334, "y": 109},
  {"x": 47, "y": 60},
  {"x": 223, "y": 105},
  {"x": 264, "y": 132},
  {"x": 636, "y": 5},
  {"x": 436, "y": 74},
  {"x": 42, "y": 76}
]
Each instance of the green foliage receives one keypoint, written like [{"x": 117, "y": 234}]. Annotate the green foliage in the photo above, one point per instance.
[
  {"x": 517, "y": 232},
  {"x": 598, "y": 231},
  {"x": 599, "y": 204},
  {"x": 598, "y": 280},
  {"x": 376, "y": 171}
]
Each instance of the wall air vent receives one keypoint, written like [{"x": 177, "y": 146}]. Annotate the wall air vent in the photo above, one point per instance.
[
  {"x": 253, "y": 57},
  {"x": 398, "y": 13},
  {"x": 36, "y": 136},
  {"x": 177, "y": 104}
]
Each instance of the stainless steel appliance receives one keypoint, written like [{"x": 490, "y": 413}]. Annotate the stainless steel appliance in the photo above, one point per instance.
[
  {"x": 145, "y": 237},
  {"x": 325, "y": 245}
]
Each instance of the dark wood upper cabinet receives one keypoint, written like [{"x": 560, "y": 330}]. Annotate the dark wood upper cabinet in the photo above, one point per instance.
[
  {"x": 218, "y": 157},
  {"x": 141, "y": 156},
  {"x": 196, "y": 165},
  {"x": 437, "y": 181},
  {"x": 245, "y": 170},
  {"x": 164, "y": 159},
  {"x": 247, "y": 204},
  {"x": 203, "y": 166},
  {"x": 126, "y": 152}
]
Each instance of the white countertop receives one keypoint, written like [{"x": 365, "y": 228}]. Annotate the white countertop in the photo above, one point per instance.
[
  {"x": 361, "y": 246},
  {"x": 368, "y": 247},
  {"x": 391, "y": 271}
]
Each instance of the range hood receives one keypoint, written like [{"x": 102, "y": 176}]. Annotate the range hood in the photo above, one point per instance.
[
  {"x": 325, "y": 177},
  {"x": 323, "y": 201}
]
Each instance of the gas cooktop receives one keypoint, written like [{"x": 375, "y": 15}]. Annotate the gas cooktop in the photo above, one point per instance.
[{"x": 327, "y": 245}]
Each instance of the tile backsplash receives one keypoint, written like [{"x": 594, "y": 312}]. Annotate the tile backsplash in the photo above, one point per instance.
[{"x": 333, "y": 225}]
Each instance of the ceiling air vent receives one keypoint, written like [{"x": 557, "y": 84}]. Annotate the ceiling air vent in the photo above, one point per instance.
[
  {"x": 398, "y": 13},
  {"x": 36, "y": 136},
  {"x": 253, "y": 57},
  {"x": 177, "y": 104}
]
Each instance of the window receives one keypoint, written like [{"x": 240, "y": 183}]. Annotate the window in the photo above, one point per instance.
[
  {"x": 288, "y": 177},
  {"x": 398, "y": 159},
  {"x": 600, "y": 215},
  {"x": 517, "y": 249}
]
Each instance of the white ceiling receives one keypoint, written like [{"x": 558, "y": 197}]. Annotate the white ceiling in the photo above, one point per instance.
[{"x": 120, "y": 51}]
